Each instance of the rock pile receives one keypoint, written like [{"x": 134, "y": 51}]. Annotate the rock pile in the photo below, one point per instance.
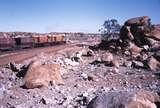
[
  {"x": 140, "y": 32},
  {"x": 141, "y": 40}
]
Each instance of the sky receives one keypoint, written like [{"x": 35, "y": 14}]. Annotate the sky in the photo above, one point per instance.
[{"x": 71, "y": 15}]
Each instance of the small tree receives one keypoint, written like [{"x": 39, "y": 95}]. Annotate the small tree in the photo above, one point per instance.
[{"x": 109, "y": 29}]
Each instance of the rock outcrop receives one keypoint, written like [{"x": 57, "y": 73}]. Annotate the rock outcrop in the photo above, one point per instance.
[
  {"x": 141, "y": 38},
  {"x": 140, "y": 31}
]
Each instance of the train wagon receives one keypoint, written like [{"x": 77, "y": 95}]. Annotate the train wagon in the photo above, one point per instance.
[
  {"x": 43, "y": 40},
  {"x": 35, "y": 39},
  {"x": 60, "y": 39},
  {"x": 24, "y": 42},
  {"x": 51, "y": 39},
  {"x": 40, "y": 40},
  {"x": 63, "y": 40},
  {"x": 7, "y": 43}
]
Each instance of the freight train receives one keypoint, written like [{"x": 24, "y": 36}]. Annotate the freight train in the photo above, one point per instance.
[{"x": 21, "y": 42}]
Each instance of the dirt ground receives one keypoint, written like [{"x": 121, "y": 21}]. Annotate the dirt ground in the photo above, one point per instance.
[
  {"x": 20, "y": 56},
  {"x": 82, "y": 82}
]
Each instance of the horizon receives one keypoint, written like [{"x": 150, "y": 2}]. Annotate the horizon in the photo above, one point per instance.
[{"x": 87, "y": 16}]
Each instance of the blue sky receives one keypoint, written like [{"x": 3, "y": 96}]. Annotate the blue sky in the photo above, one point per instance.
[{"x": 71, "y": 15}]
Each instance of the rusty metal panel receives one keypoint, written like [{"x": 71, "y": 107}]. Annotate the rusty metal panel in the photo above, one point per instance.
[
  {"x": 53, "y": 38},
  {"x": 50, "y": 39},
  {"x": 35, "y": 39},
  {"x": 60, "y": 38},
  {"x": 43, "y": 39}
]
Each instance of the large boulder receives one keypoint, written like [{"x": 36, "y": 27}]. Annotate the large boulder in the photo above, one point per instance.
[
  {"x": 134, "y": 49},
  {"x": 157, "y": 55},
  {"x": 126, "y": 99},
  {"x": 126, "y": 34},
  {"x": 153, "y": 64},
  {"x": 138, "y": 21},
  {"x": 39, "y": 75},
  {"x": 107, "y": 57},
  {"x": 154, "y": 38},
  {"x": 155, "y": 33}
]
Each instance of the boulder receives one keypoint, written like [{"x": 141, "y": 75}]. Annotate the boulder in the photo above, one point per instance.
[
  {"x": 138, "y": 21},
  {"x": 90, "y": 53},
  {"x": 154, "y": 34},
  {"x": 115, "y": 63},
  {"x": 126, "y": 34},
  {"x": 126, "y": 99},
  {"x": 107, "y": 57},
  {"x": 134, "y": 49},
  {"x": 39, "y": 75},
  {"x": 155, "y": 47},
  {"x": 157, "y": 55},
  {"x": 154, "y": 38},
  {"x": 153, "y": 64},
  {"x": 137, "y": 64},
  {"x": 151, "y": 41},
  {"x": 86, "y": 52}
]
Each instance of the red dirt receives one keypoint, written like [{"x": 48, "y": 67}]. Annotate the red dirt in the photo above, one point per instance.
[{"x": 20, "y": 56}]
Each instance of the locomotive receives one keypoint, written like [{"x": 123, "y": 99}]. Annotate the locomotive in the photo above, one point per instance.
[{"x": 30, "y": 41}]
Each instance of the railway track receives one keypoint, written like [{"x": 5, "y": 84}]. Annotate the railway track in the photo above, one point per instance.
[{"x": 20, "y": 56}]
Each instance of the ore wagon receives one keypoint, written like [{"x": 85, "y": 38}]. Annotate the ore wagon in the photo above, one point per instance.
[
  {"x": 6, "y": 43},
  {"x": 40, "y": 40},
  {"x": 60, "y": 39},
  {"x": 24, "y": 42},
  {"x": 51, "y": 39}
]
